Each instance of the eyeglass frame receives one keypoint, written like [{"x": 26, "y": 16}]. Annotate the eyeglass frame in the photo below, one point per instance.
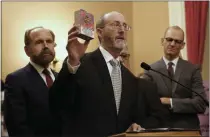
[
  {"x": 170, "y": 40},
  {"x": 118, "y": 26}
]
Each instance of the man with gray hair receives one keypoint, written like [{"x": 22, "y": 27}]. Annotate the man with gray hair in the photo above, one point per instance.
[{"x": 94, "y": 94}]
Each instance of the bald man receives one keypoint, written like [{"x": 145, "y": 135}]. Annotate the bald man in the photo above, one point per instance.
[
  {"x": 94, "y": 94},
  {"x": 182, "y": 105}
]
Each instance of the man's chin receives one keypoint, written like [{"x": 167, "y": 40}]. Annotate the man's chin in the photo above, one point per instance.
[
  {"x": 118, "y": 49},
  {"x": 172, "y": 55},
  {"x": 47, "y": 60},
  {"x": 47, "y": 56},
  {"x": 120, "y": 46}
]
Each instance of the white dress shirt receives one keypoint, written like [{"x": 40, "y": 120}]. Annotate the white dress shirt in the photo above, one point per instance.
[
  {"x": 40, "y": 69},
  {"x": 107, "y": 56},
  {"x": 174, "y": 61},
  {"x": 174, "y": 68}
]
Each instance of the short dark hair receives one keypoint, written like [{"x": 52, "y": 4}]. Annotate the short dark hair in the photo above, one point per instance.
[{"x": 27, "y": 37}]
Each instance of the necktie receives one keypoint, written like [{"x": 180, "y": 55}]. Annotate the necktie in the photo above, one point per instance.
[
  {"x": 170, "y": 69},
  {"x": 116, "y": 82},
  {"x": 48, "y": 78}
]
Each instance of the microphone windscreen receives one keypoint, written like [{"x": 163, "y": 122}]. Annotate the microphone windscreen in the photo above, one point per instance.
[{"x": 145, "y": 66}]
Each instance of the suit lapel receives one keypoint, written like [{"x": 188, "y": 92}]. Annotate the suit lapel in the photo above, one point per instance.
[
  {"x": 101, "y": 67},
  {"x": 125, "y": 89},
  {"x": 163, "y": 69},
  {"x": 177, "y": 74},
  {"x": 54, "y": 73},
  {"x": 34, "y": 76}
]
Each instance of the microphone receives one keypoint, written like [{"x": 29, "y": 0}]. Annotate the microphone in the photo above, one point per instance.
[{"x": 147, "y": 67}]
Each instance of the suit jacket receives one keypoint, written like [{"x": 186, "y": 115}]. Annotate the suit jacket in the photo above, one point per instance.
[
  {"x": 152, "y": 113},
  {"x": 26, "y": 104},
  {"x": 2, "y": 86},
  {"x": 85, "y": 103},
  {"x": 186, "y": 104}
]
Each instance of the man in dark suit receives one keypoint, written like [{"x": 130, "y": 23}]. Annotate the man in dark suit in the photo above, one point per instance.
[
  {"x": 26, "y": 90},
  {"x": 182, "y": 105},
  {"x": 93, "y": 96},
  {"x": 125, "y": 57},
  {"x": 150, "y": 112}
]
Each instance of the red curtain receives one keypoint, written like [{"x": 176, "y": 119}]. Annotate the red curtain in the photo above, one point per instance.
[{"x": 196, "y": 19}]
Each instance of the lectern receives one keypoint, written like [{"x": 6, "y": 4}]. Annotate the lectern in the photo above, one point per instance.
[{"x": 161, "y": 133}]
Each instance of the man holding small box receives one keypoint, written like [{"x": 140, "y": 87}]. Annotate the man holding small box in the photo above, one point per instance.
[{"x": 94, "y": 94}]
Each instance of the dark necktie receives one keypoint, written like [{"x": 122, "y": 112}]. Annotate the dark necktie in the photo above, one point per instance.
[
  {"x": 48, "y": 78},
  {"x": 170, "y": 69}
]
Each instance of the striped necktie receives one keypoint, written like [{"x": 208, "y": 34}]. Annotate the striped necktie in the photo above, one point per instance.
[{"x": 116, "y": 81}]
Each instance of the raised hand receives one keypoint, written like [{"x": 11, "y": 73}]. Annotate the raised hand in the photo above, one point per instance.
[{"x": 74, "y": 48}]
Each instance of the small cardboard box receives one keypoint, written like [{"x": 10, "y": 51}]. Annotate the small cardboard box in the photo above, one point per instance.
[{"x": 85, "y": 21}]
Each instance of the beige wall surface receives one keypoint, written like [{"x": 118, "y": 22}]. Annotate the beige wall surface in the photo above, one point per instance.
[
  {"x": 58, "y": 16},
  {"x": 150, "y": 19},
  {"x": 147, "y": 19}
]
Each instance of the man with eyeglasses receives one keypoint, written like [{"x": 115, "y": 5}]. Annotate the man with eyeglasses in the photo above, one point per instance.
[
  {"x": 182, "y": 105},
  {"x": 94, "y": 94},
  {"x": 124, "y": 57}
]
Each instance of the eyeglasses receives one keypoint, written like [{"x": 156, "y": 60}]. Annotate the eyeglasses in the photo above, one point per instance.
[
  {"x": 117, "y": 25},
  {"x": 175, "y": 40}
]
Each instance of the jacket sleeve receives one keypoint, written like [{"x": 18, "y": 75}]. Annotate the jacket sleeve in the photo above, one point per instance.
[
  {"x": 62, "y": 96},
  {"x": 195, "y": 104},
  {"x": 15, "y": 113}
]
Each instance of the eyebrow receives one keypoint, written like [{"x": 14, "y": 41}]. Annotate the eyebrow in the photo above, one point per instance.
[
  {"x": 174, "y": 39},
  {"x": 119, "y": 22}
]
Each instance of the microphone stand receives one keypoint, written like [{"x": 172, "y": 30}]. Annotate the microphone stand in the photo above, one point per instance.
[{"x": 206, "y": 102}]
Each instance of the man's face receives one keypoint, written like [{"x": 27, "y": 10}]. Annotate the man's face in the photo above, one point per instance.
[
  {"x": 41, "y": 48},
  {"x": 173, "y": 42},
  {"x": 114, "y": 35},
  {"x": 124, "y": 58}
]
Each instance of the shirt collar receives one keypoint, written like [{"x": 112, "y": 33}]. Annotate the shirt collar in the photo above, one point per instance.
[
  {"x": 39, "y": 68},
  {"x": 167, "y": 61},
  {"x": 107, "y": 56}
]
